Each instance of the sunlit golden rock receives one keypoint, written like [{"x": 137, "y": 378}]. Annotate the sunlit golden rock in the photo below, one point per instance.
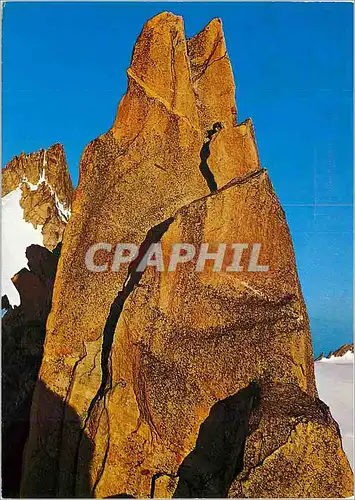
[{"x": 165, "y": 370}]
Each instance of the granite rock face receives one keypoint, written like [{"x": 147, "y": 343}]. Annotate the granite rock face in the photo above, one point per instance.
[
  {"x": 47, "y": 191},
  {"x": 141, "y": 370},
  {"x": 293, "y": 447}
]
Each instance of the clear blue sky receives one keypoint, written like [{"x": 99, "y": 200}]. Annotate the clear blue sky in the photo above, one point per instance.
[{"x": 64, "y": 73}]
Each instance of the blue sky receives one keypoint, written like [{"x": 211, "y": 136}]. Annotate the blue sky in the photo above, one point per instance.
[{"x": 64, "y": 72}]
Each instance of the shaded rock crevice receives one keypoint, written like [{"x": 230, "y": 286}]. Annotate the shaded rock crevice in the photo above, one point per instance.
[
  {"x": 102, "y": 468},
  {"x": 155, "y": 477},
  {"x": 133, "y": 278},
  {"x": 204, "y": 155},
  {"x": 208, "y": 471},
  {"x": 69, "y": 484}
]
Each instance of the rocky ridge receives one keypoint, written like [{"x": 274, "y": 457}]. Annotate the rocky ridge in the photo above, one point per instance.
[
  {"x": 46, "y": 190},
  {"x": 36, "y": 204},
  {"x": 341, "y": 351}
]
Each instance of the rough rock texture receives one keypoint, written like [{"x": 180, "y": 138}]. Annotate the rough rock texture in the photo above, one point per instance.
[
  {"x": 294, "y": 447},
  {"x": 138, "y": 365},
  {"x": 23, "y": 333},
  {"x": 234, "y": 150},
  {"x": 46, "y": 188}
]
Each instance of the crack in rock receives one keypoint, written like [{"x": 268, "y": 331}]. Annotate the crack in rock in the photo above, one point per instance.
[
  {"x": 133, "y": 278},
  {"x": 204, "y": 155}
]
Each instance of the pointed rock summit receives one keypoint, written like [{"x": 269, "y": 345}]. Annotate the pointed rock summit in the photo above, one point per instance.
[
  {"x": 31, "y": 167},
  {"x": 36, "y": 205},
  {"x": 188, "y": 382},
  {"x": 212, "y": 76}
]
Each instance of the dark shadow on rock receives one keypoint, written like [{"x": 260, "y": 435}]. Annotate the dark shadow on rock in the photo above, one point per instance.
[
  {"x": 49, "y": 471},
  {"x": 133, "y": 278},
  {"x": 5, "y": 304},
  {"x": 208, "y": 471},
  {"x": 205, "y": 154},
  {"x": 23, "y": 334},
  {"x": 19, "y": 374}
]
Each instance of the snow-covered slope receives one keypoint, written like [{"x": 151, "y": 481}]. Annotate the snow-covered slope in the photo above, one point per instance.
[
  {"x": 17, "y": 235},
  {"x": 335, "y": 384}
]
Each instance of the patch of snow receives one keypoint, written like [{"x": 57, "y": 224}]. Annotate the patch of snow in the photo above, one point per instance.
[
  {"x": 335, "y": 383},
  {"x": 64, "y": 212},
  {"x": 348, "y": 357},
  {"x": 34, "y": 187},
  {"x": 17, "y": 235}
]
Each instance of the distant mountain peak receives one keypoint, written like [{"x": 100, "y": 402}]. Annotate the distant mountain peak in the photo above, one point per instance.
[
  {"x": 37, "y": 195},
  {"x": 338, "y": 353}
]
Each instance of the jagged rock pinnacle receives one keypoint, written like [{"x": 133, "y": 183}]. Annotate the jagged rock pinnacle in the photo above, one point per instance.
[
  {"x": 46, "y": 190},
  {"x": 135, "y": 362}
]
